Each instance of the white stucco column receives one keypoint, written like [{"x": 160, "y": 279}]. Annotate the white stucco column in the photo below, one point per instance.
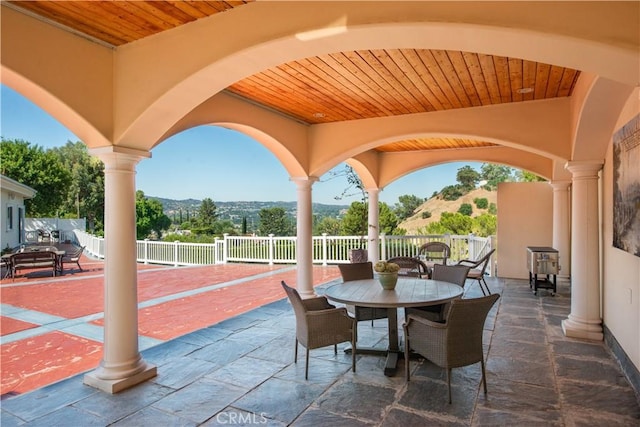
[
  {"x": 304, "y": 246},
  {"x": 562, "y": 224},
  {"x": 584, "y": 320},
  {"x": 122, "y": 365},
  {"x": 373, "y": 227}
]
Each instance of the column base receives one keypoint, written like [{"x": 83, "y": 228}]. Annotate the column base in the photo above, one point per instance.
[
  {"x": 307, "y": 294},
  {"x": 116, "y": 386},
  {"x": 583, "y": 330}
]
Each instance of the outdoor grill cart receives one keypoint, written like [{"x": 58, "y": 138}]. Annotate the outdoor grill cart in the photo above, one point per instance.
[{"x": 542, "y": 260}]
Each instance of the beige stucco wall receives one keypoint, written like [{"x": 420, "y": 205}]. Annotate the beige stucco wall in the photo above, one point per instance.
[
  {"x": 525, "y": 218},
  {"x": 621, "y": 270}
]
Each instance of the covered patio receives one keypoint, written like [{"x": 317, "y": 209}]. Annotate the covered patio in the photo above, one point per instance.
[
  {"x": 390, "y": 88},
  {"x": 240, "y": 371}
]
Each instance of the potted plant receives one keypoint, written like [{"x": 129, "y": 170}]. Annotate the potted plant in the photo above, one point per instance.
[{"x": 387, "y": 274}]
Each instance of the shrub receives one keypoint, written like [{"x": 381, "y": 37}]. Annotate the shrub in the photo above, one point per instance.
[
  {"x": 465, "y": 209},
  {"x": 189, "y": 238},
  {"x": 452, "y": 192},
  {"x": 484, "y": 225},
  {"x": 426, "y": 214},
  {"x": 481, "y": 202},
  {"x": 451, "y": 223}
]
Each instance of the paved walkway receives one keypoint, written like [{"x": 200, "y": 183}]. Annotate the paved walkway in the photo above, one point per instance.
[{"x": 52, "y": 328}]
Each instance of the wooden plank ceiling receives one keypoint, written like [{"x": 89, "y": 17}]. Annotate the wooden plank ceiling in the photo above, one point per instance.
[{"x": 339, "y": 86}]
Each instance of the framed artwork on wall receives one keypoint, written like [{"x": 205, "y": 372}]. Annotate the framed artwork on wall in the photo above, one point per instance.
[{"x": 626, "y": 187}]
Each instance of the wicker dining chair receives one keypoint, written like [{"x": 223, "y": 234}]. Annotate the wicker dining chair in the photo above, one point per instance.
[
  {"x": 361, "y": 271},
  {"x": 455, "y": 343},
  {"x": 432, "y": 253},
  {"x": 410, "y": 267},
  {"x": 456, "y": 274},
  {"x": 320, "y": 324}
]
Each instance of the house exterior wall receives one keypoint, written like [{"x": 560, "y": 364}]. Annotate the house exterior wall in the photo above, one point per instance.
[
  {"x": 12, "y": 196},
  {"x": 525, "y": 218},
  {"x": 9, "y": 233},
  {"x": 621, "y": 270}
]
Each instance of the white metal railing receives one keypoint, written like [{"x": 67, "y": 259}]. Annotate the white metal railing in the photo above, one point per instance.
[{"x": 273, "y": 249}]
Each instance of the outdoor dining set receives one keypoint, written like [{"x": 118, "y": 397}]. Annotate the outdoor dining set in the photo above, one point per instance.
[
  {"x": 439, "y": 324},
  {"x": 41, "y": 256}
]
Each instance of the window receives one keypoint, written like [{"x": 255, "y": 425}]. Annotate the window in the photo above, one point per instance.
[
  {"x": 9, "y": 218},
  {"x": 20, "y": 224}
]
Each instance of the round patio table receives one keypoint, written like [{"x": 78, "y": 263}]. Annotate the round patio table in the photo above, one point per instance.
[{"x": 409, "y": 292}]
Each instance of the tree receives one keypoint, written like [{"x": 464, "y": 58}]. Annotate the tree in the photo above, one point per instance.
[
  {"x": 86, "y": 192},
  {"x": 387, "y": 219},
  {"x": 275, "y": 221},
  {"x": 354, "y": 221},
  {"x": 40, "y": 170},
  {"x": 150, "y": 217},
  {"x": 205, "y": 221},
  {"x": 207, "y": 214},
  {"x": 524, "y": 176},
  {"x": 451, "y": 223},
  {"x": 357, "y": 223},
  {"x": 468, "y": 178},
  {"x": 329, "y": 225},
  {"x": 452, "y": 192},
  {"x": 495, "y": 174},
  {"x": 465, "y": 209},
  {"x": 484, "y": 225},
  {"x": 354, "y": 184},
  {"x": 481, "y": 202},
  {"x": 407, "y": 205},
  {"x": 224, "y": 227}
]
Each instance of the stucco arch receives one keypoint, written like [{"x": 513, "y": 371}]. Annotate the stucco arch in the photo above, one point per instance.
[
  {"x": 285, "y": 138},
  {"x": 377, "y": 170},
  {"x": 285, "y": 157},
  {"x": 57, "y": 108},
  {"x": 122, "y": 94},
  {"x": 76, "y": 84},
  {"x": 143, "y": 109},
  {"x": 397, "y": 165},
  {"x": 511, "y": 125},
  {"x": 598, "y": 104},
  {"x": 364, "y": 171}
]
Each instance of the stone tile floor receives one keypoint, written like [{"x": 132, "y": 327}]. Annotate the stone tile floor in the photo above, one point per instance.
[
  {"x": 51, "y": 328},
  {"x": 241, "y": 372}
]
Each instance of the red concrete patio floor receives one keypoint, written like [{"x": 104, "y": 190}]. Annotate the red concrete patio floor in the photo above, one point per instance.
[{"x": 51, "y": 328}]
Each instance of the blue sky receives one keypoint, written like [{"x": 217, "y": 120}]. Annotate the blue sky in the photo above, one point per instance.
[{"x": 212, "y": 162}]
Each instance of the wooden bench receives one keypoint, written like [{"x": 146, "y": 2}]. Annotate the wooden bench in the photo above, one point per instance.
[{"x": 32, "y": 260}]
